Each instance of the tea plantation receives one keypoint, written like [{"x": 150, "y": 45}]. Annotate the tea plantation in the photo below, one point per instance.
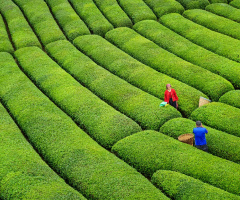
[{"x": 81, "y": 83}]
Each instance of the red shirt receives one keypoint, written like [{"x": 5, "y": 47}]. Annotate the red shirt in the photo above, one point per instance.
[{"x": 169, "y": 95}]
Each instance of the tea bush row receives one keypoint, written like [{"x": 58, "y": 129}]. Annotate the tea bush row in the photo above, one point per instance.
[
  {"x": 193, "y": 4},
  {"x": 231, "y": 98},
  {"x": 235, "y": 3},
  {"x": 75, "y": 156}
]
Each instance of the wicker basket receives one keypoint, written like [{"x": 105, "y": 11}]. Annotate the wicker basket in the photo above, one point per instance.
[
  {"x": 187, "y": 138},
  {"x": 203, "y": 101}
]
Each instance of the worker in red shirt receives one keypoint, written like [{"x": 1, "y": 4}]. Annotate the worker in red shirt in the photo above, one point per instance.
[{"x": 170, "y": 96}]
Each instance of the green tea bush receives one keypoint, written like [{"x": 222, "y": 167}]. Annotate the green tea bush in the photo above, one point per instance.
[
  {"x": 214, "y": 22},
  {"x": 164, "y": 7},
  {"x": 219, "y": 116},
  {"x": 189, "y": 51},
  {"x": 131, "y": 101},
  {"x": 41, "y": 19},
  {"x": 149, "y": 151},
  {"x": 5, "y": 43},
  {"x": 21, "y": 33},
  {"x": 69, "y": 21},
  {"x": 137, "y": 10},
  {"x": 218, "y": 1},
  {"x": 231, "y": 98},
  {"x": 211, "y": 40},
  {"x": 235, "y": 3},
  {"x": 76, "y": 157},
  {"x": 114, "y": 13},
  {"x": 219, "y": 143},
  {"x": 180, "y": 186},
  {"x": 193, "y": 4},
  {"x": 225, "y": 10},
  {"x": 92, "y": 16},
  {"x": 23, "y": 173},
  {"x": 102, "y": 122},
  {"x": 163, "y": 61},
  {"x": 136, "y": 73}
]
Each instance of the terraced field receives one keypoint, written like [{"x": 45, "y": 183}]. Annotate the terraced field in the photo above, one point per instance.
[{"x": 81, "y": 82}]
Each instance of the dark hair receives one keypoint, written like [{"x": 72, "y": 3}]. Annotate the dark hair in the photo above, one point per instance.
[{"x": 198, "y": 123}]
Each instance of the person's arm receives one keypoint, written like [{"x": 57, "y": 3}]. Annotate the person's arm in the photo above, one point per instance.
[
  {"x": 176, "y": 95},
  {"x": 166, "y": 97}
]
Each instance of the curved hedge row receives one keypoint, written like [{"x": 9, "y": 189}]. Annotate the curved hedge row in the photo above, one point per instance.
[
  {"x": 149, "y": 151},
  {"x": 114, "y": 13},
  {"x": 219, "y": 143},
  {"x": 21, "y": 33},
  {"x": 164, "y": 7},
  {"x": 225, "y": 10},
  {"x": 92, "y": 16},
  {"x": 189, "y": 51},
  {"x": 83, "y": 163},
  {"x": 180, "y": 186},
  {"x": 161, "y": 60},
  {"x": 102, "y": 122},
  {"x": 133, "y": 102},
  {"x": 231, "y": 98},
  {"x": 219, "y": 116},
  {"x": 136, "y": 73},
  {"x": 23, "y": 174},
  {"x": 235, "y": 3},
  {"x": 211, "y": 40},
  {"x": 214, "y": 22},
  {"x": 5, "y": 44},
  {"x": 137, "y": 10},
  {"x": 41, "y": 20},
  {"x": 69, "y": 21},
  {"x": 193, "y": 4}
]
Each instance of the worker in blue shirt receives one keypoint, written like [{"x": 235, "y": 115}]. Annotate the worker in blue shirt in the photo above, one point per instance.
[{"x": 200, "y": 139}]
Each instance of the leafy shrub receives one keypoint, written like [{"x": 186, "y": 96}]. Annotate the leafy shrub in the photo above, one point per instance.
[
  {"x": 41, "y": 19},
  {"x": 164, "y": 7},
  {"x": 101, "y": 121},
  {"x": 219, "y": 116},
  {"x": 219, "y": 143},
  {"x": 21, "y": 33},
  {"x": 214, "y": 22},
  {"x": 69, "y": 21},
  {"x": 68, "y": 150},
  {"x": 92, "y": 16},
  {"x": 231, "y": 98},
  {"x": 189, "y": 51},
  {"x": 161, "y": 60},
  {"x": 180, "y": 186},
  {"x": 137, "y": 10},
  {"x": 218, "y": 1},
  {"x": 235, "y": 3},
  {"x": 133, "y": 102},
  {"x": 5, "y": 44},
  {"x": 149, "y": 151},
  {"x": 193, "y": 4},
  {"x": 216, "y": 42},
  {"x": 114, "y": 13}
]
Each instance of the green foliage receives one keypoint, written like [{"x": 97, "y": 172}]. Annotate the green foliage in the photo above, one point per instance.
[
  {"x": 180, "y": 186},
  {"x": 5, "y": 44},
  {"x": 231, "y": 98},
  {"x": 114, "y": 13},
  {"x": 219, "y": 116},
  {"x": 68, "y": 150},
  {"x": 163, "y": 61},
  {"x": 137, "y": 10},
  {"x": 164, "y": 7},
  {"x": 189, "y": 51},
  {"x": 193, "y": 4},
  {"x": 225, "y": 10},
  {"x": 41, "y": 19},
  {"x": 219, "y": 143},
  {"x": 149, "y": 151},
  {"x": 214, "y": 22},
  {"x": 235, "y": 3},
  {"x": 211, "y": 40},
  {"x": 218, "y": 1},
  {"x": 131, "y": 101},
  {"x": 102, "y": 122},
  {"x": 21, "y": 33},
  {"x": 69, "y": 21},
  {"x": 92, "y": 16}
]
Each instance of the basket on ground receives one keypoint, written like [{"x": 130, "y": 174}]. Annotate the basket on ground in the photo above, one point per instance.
[
  {"x": 187, "y": 138},
  {"x": 203, "y": 101}
]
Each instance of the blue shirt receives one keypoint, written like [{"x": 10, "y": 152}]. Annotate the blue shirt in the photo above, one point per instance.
[{"x": 199, "y": 133}]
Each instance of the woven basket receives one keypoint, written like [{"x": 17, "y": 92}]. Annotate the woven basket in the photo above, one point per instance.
[
  {"x": 187, "y": 138},
  {"x": 203, "y": 101}
]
